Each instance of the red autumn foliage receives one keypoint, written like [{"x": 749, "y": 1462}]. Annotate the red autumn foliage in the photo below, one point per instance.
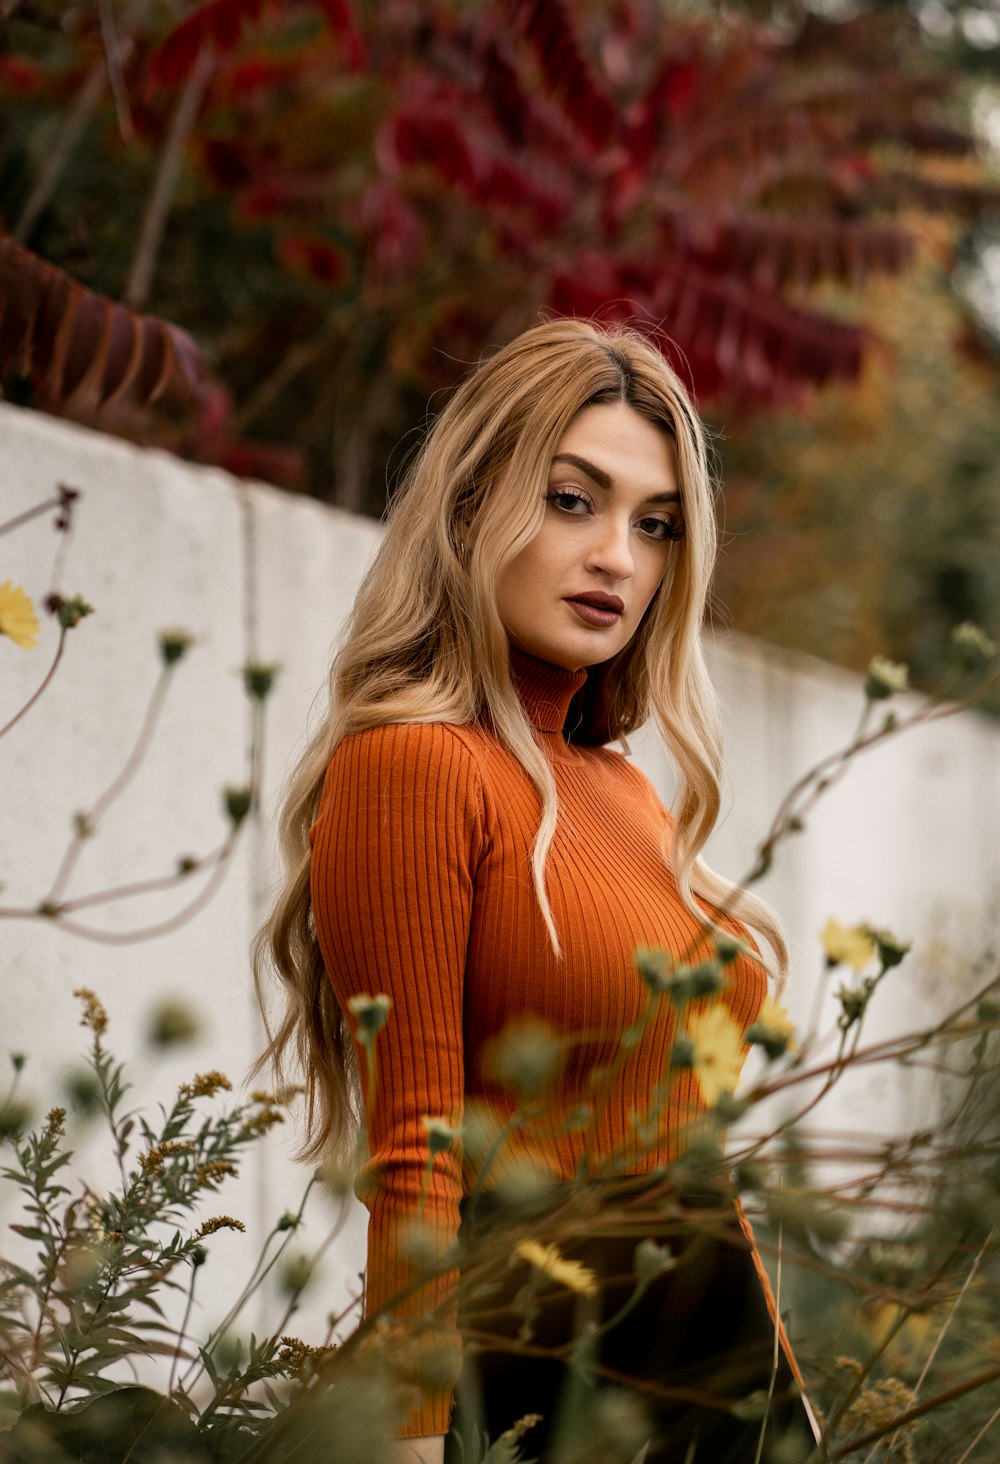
[
  {"x": 84, "y": 353},
  {"x": 447, "y": 169},
  {"x": 217, "y": 23}
]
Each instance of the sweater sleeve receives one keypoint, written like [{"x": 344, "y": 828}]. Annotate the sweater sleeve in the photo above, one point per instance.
[{"x": 394, "y": 853}]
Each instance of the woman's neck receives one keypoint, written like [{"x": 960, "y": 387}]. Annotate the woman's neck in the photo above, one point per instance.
[{"x": 545, "y": 690}]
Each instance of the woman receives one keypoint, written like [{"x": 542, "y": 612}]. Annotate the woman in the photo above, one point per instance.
[{"x": 459, "y": 837}]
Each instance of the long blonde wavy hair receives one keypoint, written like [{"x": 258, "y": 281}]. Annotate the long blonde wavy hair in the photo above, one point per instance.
[{"x": 425, "y": 643}]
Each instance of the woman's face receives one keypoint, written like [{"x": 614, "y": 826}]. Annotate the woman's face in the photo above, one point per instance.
[{"x": 575, "y": 595}]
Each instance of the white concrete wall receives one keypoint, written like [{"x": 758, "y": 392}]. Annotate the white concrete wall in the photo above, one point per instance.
[{"x": 908, "y": 837}]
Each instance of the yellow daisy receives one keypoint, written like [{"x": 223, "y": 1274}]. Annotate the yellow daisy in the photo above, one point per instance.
[
  {"x": 18, "y": 619},
  {"x": 847, "y": 945},
  {"x": 775, "y": 1018},
  {"x": 717, "y": 1051},
  {"x": 547, "y": 1259}
]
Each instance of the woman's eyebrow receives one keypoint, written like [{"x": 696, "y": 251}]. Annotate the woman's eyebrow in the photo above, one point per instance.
[{"x": 604, "y": 480}]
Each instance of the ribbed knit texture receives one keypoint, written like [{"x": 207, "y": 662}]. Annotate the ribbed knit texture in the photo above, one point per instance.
[{"x": 422, "y": 889}]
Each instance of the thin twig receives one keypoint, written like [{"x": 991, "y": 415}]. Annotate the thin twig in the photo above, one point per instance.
[
  {"x": 29, "y": 514},
  {"x": 57, "y": 157},
  {"x": 149, "y": 932},
  {"x": 142, "y": 886},
  {"x": 113, "y": 52},
  {"x": 165, "y": 183},
  {"x": 994, "y": 1416},
  {"x": 45, "y": 682},
  {"x": 929, "y": 1362},
  {"x": 912, "y": 1414},
  {"x": 776, "y": 1351},
  {"x": 115, "y": 788}
]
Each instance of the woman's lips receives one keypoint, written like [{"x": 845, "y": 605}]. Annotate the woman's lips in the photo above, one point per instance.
[{"x": 594, "y": 614}]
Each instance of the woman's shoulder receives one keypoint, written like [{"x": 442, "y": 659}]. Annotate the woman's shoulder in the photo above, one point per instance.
[
  {"x": 408, "y": 755},
  {"x": 429, "y": 739},
  {"x": 404, "y": 768}
]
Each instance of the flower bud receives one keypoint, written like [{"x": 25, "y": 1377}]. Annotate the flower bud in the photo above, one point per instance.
[
  {"x": 238, "y": 803},
  {"x": 172, "y": 1023},
  {"x": 258, "y": 678},
  {"x": 652, "y": 1259},
  {"x": 971, "y": 647},
  {"x": 295, "y": 1275},
  {"x": 440, "y": 1135},
  {"x": 526, "y": 1056},
  {"x": 705, "y": 979},
  {"x": 372, "y": 1013},
  {"x": 174, "y": 645},
  {"x": 891, "y": 950},
  {"x": 728, "y": 949},
  {"x": 682, "y": 1052},
  {"x": 885, "y": 678},
  {"x": 69, "y": 611}
]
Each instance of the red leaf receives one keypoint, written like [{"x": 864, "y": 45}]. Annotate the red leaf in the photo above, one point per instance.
[
  {"x": 83, "y": 352},
  {"x": 738, "y": 338},
  {"x": 547, "y": 25},
  {"x": 342, "y": 23},
  {"x": 305, "y": 195},
  {"x": 240, "y": 79},
  {"x": 314, "y": 257},
  {"x": 508, "y": 186},
  {"x": 436, "y": 138},
  {"x": 393, "y": 230},
  {"x": 509, "y": 102},
  {"x": 218, "y": 23},
  {"x": 227, "y": 162},
  {"x": 776, "y": 251},
  {"x": 19, "y": 75},
  {"x": 668, "y": 100}
]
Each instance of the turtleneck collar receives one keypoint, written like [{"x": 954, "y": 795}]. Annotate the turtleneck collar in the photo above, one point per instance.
[{"x": 545, "y": 690}]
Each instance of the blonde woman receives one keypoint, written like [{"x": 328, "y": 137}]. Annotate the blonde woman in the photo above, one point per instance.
[{"x": 461, "y": 838}]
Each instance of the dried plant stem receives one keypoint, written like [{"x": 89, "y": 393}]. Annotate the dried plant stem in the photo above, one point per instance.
[
  {"x": 114, "y": 789},
  {"x": 30, "y": 513},
  {"x": 993, "y": 1418},
  {"x": 952, "y": 1311},
  {"x": 113, "y": 50},
  {"x": 165, "y": 927},
  {"x": 919, "y": 1411},
  {"x": 257, "y": 1275},
  {"x": 139, "y": 887},
  {"x": 182, "y": 1330},
  {"x": 296, "y": 359},
  {"x": 165, "y": 183},
  {"x": 45, "y": 682},
  {"x": 776, "y": 1348},
  {"x": 57, "y": 157}
]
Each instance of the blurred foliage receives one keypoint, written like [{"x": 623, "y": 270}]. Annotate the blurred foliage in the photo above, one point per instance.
[
  {"x": 872, "y": 521},
  {"x": 345, "y": 206}
]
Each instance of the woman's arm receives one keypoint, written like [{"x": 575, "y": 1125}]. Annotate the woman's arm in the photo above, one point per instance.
[{"x": 395, "y": 851}]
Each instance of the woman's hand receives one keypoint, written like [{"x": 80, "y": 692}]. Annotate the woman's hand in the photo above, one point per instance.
[{"x": 426, "y": 1450}]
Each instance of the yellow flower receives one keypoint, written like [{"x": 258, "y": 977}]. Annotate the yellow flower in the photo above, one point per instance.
[
  {"x": 17, "y": 616},
  {"x": 717, "y": 1051},
  {"x": 547, "y": 1259},
  {"x": 774, "y": 1018},
  {"x": 847, "y": 946}
]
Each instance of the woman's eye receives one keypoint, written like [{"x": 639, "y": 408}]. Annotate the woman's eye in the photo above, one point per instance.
[
  {"x": 568, "y": 502},
  {"x": 661, "y": 528}
]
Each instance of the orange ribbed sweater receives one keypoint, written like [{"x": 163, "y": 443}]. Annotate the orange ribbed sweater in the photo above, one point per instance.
[{"x": 422, "y": 889}]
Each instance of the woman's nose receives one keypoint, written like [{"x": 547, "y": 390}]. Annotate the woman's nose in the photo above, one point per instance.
[{"x": 611, "y": 551}]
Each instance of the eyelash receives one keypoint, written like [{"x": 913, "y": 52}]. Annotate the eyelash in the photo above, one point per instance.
[{"x": 672, "y": 532}]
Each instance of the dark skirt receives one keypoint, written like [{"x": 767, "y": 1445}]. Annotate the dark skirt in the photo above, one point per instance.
[{"x": 690, "y": 1367}]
